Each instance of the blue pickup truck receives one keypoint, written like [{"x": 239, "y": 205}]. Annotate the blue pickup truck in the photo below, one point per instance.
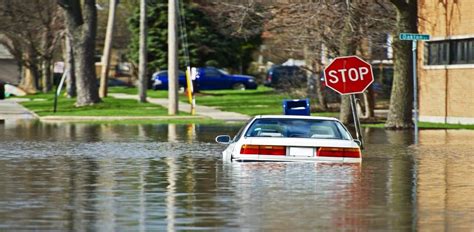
[{"x": 207, "y": 78}]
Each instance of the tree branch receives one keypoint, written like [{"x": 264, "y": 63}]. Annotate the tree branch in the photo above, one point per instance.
[{"x": 400, "y": 4}]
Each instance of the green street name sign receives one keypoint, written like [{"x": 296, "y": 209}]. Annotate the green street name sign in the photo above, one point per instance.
[{"x": 410, "y": 36}]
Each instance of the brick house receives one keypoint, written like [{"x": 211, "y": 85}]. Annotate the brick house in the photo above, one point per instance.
[{"x": 446, "y": 62}]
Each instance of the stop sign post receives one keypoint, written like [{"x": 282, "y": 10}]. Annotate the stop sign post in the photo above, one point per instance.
[{"x": 349, "y": 75}]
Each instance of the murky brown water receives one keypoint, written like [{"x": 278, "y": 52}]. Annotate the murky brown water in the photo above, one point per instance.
[{"x": 171, "y": 177}]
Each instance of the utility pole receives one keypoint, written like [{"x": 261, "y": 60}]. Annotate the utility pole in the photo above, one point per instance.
[
  {"x": 172, "y": 59},
  {"x": 107, "y": 48},
  {"x": 143, "y": 81}
]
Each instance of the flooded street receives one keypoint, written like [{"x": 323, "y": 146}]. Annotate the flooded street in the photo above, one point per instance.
[{"x": 171, "y": 177}]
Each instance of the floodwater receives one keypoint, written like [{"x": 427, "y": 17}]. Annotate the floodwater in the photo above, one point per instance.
[{"x": 82, "y": 177}]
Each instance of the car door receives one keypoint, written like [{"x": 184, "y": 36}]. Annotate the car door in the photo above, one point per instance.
[{"x": 212, "y": 79}]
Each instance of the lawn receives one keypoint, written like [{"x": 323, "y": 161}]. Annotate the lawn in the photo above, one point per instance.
[
  {"x": 134, "y": 91},
  {"x": 250, "y": 102},
  {"x": 42, "y": 104},
  {"x": 263, "y": 100}
]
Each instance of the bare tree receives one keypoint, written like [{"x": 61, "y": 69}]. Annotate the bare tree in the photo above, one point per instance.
[
  {"x": 31, "y": 30},
  {"x": 81, "y": 23},
  {"x": 313, "y": 30},
  {"x": 333, "y": 27}
]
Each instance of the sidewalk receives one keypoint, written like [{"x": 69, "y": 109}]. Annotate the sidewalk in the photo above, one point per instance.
[
  {"x": 11, "y": 110},
  {"x": 206, "y": 111}
]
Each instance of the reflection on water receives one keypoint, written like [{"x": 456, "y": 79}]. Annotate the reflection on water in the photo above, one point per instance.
[
  {"x": 171, "y": 177},
  {"x": 445, "y": 164}
]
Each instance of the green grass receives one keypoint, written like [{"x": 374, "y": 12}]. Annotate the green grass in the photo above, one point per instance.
[
  {"x": 134, "y": 91},
  {"x": 428, "y": 125},
  {"x": 42, "y": 104},
  {"x": 263, "y": 100},
  {"x": 326, "y": 114},
  {"x": 250, "y": 102}
]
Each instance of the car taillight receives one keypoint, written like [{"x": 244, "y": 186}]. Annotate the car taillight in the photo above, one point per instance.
[
  {"x": 269, "y": 78},
  {"x": 249, "y": 149},
  {"x": 338, "y": 152},
  {"x": 262, "y": 150},
  {"x": 352, "y": 152}
]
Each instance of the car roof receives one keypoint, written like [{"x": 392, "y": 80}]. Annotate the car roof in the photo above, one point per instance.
[
  {"x": 297, "y": 117},
  {"x": 165, "y": 72},
  {"x": 285, "y": 66}
]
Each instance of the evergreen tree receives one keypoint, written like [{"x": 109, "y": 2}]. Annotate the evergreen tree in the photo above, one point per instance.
[{"x": 205, "y": 44}]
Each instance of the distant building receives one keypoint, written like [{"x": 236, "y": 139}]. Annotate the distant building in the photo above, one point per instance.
[
  {"x": 293, "y": 62},
  {"x": 4, "y": 54},
  {"x": 9, "y": 68},
  {"x": 446, "y": 70}
]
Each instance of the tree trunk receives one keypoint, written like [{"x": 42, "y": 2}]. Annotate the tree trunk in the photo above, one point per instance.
[
  {"x": 400, "y": 110},
  {"x": 348, "y": 48},
  {"x": 345, "y": 113},
  {"x": 321, "y": 98},
  {"x": 107, "y": 48},
  {"x": 142, "y": 76},
  {"x": 46, "y": 75},
  {"x": 28, "y": 80},
  {"x": 81, "y": 23},
  {"x": 69, "y": 67},
  {"x": 30, "y": 74},
  {"x": 368, "y": 104}
]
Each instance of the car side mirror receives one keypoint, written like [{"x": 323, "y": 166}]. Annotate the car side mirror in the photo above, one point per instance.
[
  {"x": 358, "y": 142},
  {"x": 223, "y": 139}
]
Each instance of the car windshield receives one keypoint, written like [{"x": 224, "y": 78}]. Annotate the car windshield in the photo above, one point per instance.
[{"x": 297, "y": 128}]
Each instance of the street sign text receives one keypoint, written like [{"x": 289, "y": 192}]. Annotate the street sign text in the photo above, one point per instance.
[{"x": 411, "y": 36}]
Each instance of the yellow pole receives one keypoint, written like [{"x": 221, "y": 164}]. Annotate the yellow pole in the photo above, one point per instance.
[{"x": 190, "y": 89}]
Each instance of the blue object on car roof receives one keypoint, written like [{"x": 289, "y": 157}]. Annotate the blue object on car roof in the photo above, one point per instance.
[{"x": 296, "y": 107}]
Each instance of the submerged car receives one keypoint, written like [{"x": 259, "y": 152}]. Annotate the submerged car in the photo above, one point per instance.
[{"x": 292, "y": 138}]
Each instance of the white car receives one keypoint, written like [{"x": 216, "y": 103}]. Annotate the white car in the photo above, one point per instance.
[{"x": 292, "y": 138}]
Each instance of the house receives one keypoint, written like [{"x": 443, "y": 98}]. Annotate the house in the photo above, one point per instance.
[
  {"x": 446, "y": 61},
  {"x": 9, "y": 68}
]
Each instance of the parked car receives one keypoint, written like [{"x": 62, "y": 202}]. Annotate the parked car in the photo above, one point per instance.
[
  {"x": 292, "y": 138},
  {"x": 207, "y": 78},
  {"x": 281, "y": 76}
]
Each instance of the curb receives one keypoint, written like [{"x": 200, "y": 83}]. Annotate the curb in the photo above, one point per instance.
[{"x": 55, "y": 119}]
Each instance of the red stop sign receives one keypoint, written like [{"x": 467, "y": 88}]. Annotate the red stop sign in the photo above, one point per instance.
[{"x": 348, "y": 75}]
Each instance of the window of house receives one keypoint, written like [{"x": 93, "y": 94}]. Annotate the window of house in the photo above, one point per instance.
[
  {"x": 450, "y": 52},
  {"x": 444, "y": 52},
  {"x": 459, "y": 53},
  {"x": 470, "y": 51}
]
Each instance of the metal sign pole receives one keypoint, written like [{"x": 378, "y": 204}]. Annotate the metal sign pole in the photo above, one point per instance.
[
  {"x": 356, "y": 120},
  {"x": 58, "y": 89},
  {"x": 415, "y": 92},
  {"x": 414, "y": 38}
]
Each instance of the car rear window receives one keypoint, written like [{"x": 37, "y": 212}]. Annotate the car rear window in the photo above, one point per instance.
[{"x": 297, "y": 128}]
